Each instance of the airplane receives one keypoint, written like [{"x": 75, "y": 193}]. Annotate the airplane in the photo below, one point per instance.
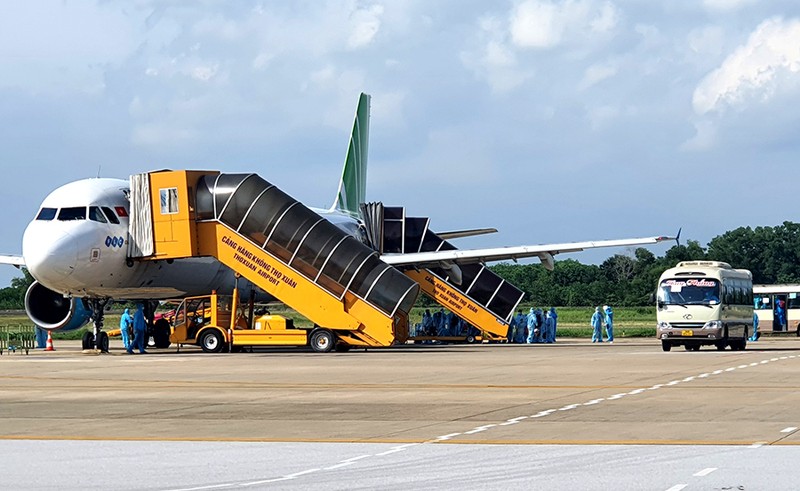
[{"x": 76, "y": 249}]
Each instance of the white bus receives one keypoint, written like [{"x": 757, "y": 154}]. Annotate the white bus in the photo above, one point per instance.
[
  {"x": 704, "y": 302},
  {"x": 766, "y": 300}
]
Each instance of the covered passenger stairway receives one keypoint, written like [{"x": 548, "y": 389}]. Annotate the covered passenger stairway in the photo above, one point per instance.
[
  {"x": 471, "y": 291},
  {"x": 278, "y": 244}
]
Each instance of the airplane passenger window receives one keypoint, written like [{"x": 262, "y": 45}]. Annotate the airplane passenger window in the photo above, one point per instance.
[
  {"x": 74, "y": 213},
  {"x": 96, "y": 215},
  {"x": 46, "y": 214},
  {"x": 110, "y": 214}
]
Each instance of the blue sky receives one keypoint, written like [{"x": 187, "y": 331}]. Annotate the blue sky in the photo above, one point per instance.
[{"x": 551, "y": 120}]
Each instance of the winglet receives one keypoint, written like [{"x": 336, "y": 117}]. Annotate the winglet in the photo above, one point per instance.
[
  {"x": 353, "y": 184},
  {"x": 678, "y": 237}
]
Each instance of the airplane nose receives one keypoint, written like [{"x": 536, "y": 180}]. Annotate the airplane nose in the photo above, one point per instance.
[{"x": 50, "y": 256}]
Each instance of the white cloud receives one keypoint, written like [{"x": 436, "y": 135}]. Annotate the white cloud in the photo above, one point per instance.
[
  {"x": 545, "y": 24},
  {"x": 494, "y": 59},
  {"x": 597, "y": 73},
  {"x": 365, "y": 25},
  {"x": 205, "y": 73},
  {"x": 768, "y": 62}
]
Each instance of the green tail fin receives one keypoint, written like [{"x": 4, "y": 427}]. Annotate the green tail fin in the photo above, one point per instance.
[{"x": 353, "y": 185}]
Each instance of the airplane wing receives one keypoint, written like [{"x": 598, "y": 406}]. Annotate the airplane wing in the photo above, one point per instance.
[
  {"x": 457, "y": 234},
  {"x": 13, "y": 260},
  {"x": 544, "y": 252}
]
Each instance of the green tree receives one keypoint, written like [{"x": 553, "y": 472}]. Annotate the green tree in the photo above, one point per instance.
[{"x": 13, "y": 297}]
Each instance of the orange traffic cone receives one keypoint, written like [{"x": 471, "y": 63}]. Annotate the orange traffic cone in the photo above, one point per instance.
[{"x": 49, "y": 345}]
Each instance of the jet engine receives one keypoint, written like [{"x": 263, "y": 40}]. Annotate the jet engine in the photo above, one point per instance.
[{"x": 53, "y": 311}]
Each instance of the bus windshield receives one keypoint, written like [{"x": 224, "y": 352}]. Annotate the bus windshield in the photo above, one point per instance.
[{"x": 702, "y": 291}]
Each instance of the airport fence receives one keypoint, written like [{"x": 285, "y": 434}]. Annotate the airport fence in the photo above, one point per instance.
[{"x": 17, "y": 338}]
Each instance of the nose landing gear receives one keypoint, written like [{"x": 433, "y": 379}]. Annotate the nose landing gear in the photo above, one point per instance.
[{"x": 98, "y": 339}]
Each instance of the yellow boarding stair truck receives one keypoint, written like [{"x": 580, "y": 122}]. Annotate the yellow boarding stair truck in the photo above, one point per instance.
[
  {"x": 285, "y": 249},
  {"x": 218, "y": 323}
]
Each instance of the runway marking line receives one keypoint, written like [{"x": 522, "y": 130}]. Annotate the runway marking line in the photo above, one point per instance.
[
  {"x": 789, "y": 429},
  {"x": 677, "y": 487},
  {"x": 704, "y": 472}
]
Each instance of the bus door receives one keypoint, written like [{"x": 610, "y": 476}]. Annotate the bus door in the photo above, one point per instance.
[
  {"x": 762, "y": 302},
  {"x": 792, "y": 311}
]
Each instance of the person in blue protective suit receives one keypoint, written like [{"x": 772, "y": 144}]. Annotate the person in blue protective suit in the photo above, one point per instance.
[
  {"x": 427, "y": 323},
  {"x": 522, "y": 322},
  {"x": 532, "y": 327},
  {"x": 609, "y": 318},
  {"x": 597, "y": 326},
  {"x": 549, "y": 331},
  {"x": 554, "y": 316},
  {"x": 139, "y": 329},
  {"x": 780, "y": 314},
  {"x": 512, "y": 328},
  {"x": 447, "y": 324},
  {"x": 126, "y": 329},
  {"x": 41, "y": 337},
  {"x": 754, "y": 337},
  {"x": 436, "y": 322}
]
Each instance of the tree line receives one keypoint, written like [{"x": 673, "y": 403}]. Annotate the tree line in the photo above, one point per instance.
[{"x": 772, "y": 254}]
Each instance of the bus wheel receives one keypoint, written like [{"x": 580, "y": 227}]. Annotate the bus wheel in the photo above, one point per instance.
[
  {"x": 212, "y": 341},
  {"x": 322, "y": 341},
  {"x": 666, "y": 345}
]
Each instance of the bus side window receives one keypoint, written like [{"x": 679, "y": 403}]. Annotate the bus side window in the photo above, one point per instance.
[{"x": 727, "y": 295}]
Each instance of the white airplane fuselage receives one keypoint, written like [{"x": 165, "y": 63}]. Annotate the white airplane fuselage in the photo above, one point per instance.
[{"x": 75, "y": 248}]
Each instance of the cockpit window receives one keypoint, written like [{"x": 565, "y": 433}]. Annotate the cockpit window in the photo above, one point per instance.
[
  {"x": 46, "y": 214},
  {"x": 110, "y": 214},
  {"x": 96, "y": 215},
  {"x": 76, "y": 213}
]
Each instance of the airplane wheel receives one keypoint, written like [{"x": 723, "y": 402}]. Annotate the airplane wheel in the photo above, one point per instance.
[
  {"x": 322, "y": 341},
  {"x": 666, "y": 346},
  {"x": 212, "y": 341},
  {"x": 472, "y": 339},
  {"x": 103, "y": 344},
  {"x": 87, "y": 341},
  {"x": 720, "y": 345}
]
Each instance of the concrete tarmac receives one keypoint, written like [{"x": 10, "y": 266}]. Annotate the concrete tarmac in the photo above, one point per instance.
[
  {"x": 569, "y": 392},
  {"x": 573, "y": 392}
]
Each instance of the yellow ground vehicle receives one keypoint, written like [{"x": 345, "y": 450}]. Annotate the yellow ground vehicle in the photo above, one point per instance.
[{"x": 217, "y": 324}]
